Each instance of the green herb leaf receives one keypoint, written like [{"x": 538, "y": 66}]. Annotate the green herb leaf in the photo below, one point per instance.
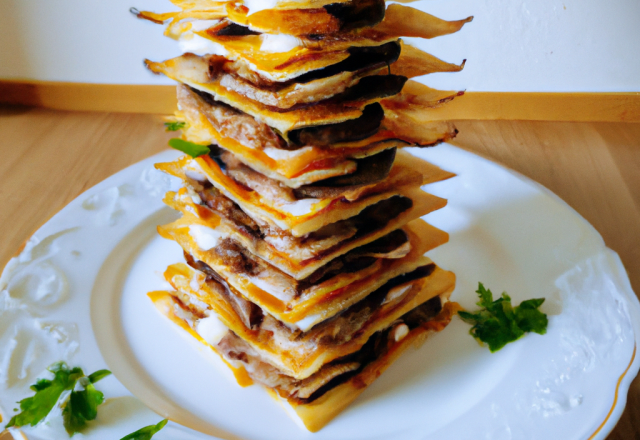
[
  {"x": 486, "y": 297},
  {"x": 98, "y": 375},
  {"x": 80, "y": 407},
  {"x": 193, "y": 150},
  {"x": 499, "y": 323},
  {"x": 145, "y": 433},
  {"x": 529, "y": 318},
  {"x": 40, "y": 385},
  {"x": 36, "y": 407},
  {"x": 174, "y": 125}
]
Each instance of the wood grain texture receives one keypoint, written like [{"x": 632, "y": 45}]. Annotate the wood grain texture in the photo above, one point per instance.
[
  {"x": 121, "y": 98},
  {"x": 49, "y": 157}
]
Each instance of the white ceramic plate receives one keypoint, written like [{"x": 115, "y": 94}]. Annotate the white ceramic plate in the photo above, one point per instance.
[{"x": 78, "y": 293}]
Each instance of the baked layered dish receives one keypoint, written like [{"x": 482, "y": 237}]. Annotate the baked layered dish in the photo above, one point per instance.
[{"x": 301, "y": 222}]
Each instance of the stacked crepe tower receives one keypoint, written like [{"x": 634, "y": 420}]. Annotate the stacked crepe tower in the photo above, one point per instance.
[{"x": 301, "y": 229}]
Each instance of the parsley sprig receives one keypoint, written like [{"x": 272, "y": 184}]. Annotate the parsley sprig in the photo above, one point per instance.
[
  {"x": 80, "y": 407},
  {"x": 174, "y": 125},
  {"x": 145, "y": 433},
  {"x": 190, "y": 148},
  {"x": 499, "y": 323}
]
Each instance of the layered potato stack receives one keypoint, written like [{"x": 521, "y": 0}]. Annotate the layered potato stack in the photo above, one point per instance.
[{"x": 301, "y": 229}]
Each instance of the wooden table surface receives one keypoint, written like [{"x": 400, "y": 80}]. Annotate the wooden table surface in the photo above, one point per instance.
[{"x": 49, "y": 157}]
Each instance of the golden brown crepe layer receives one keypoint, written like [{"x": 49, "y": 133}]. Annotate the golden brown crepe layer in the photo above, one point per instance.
[
  {"x": 299, "y": 356},
  {"x": 407, "y": 170},
  {"x": 260, "y": 149},
  {"x": 405, "y": 21},
  {"x": 302, "y": 20},
  {"x": 317, "y": 21},
  {"x": 293, "y": 94},
  {"x": 301, "y": 261},
  {"x": 405, "y": 112},
  {"x": 191, "y": 10},
  {"x": 414, "y": 62},
  {"x": 165, "y": 303},
  {"x": 207, "y": 124},
  {"x": 300, "y": 258},
  {"x": 307, "y": 215},
  {"x": 191, "y": 70},
  {"x": 279, "y": 295},
  {"x": 247, "y": 48},
  {"x": 210, "y": 69},
  {"x": 322, "y": 410},
  {"x": 399, "y": 20},
  {"x": 213, "y": 10},
  {"x": 317, "y": 53},
  {"x": 306, "y": 257}
]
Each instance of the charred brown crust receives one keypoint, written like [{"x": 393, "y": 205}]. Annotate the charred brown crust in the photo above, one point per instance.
[
  {"x": 236, "y": 257},
  {"x": 368, "y": 88},
  {"x": 241, "y": 260},
  {"x": 338, "y": 330},
  {"x": 385, "y": 244},
  {"x": 357, "y": 129},
  {"x": 376, "y": 216},
  {"x": 373, "y": 87},
  {"x": 357, "y": 13},
  {"x": 356, "y": 259},
  {"x": 370, "y": 219},
  {"x": 231, "y": 29},
  {"x": 359, "y": 58},
  {"x": 376, "y": 346},
  {"x": 250, "y": 314},
  {"x": 370, "y": 170},
  {"x": 249, "y": 125}
]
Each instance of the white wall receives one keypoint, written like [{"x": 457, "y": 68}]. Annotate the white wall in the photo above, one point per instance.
[
  {"x": 96, "y": 41},
  {"x": 541, "y": 45},
  {"x": 512, "y": 45}
]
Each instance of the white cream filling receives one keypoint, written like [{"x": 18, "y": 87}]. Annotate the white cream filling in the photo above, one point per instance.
[
  {"x": 278, "y": 43},
  {"x": 400, "y": 332},
  {"x": 299, "y": 207},
  {"x": 195, "y": 44},
  {"x": 203, "y": 25},
  {"x": 195, "y": 175},
  {"x": 269, "y": 288},
  {"x": 282, "y": 341},
  {"x": 306, "y": 323},
  {"x": 205, "y": 237},
  {"x": 280, "y": 154},
  {"x": 184, "y": 198},
  {"x": 194, "y": 301},
  {"x": 185, "y": 315},
  {"x": 211, "y": 329},
  {"x": 395, "y": 293},
  {"x": 195, "y": 198},
  {"x": 196, "y": 281},
  {"x": 259, "y": 5}
]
